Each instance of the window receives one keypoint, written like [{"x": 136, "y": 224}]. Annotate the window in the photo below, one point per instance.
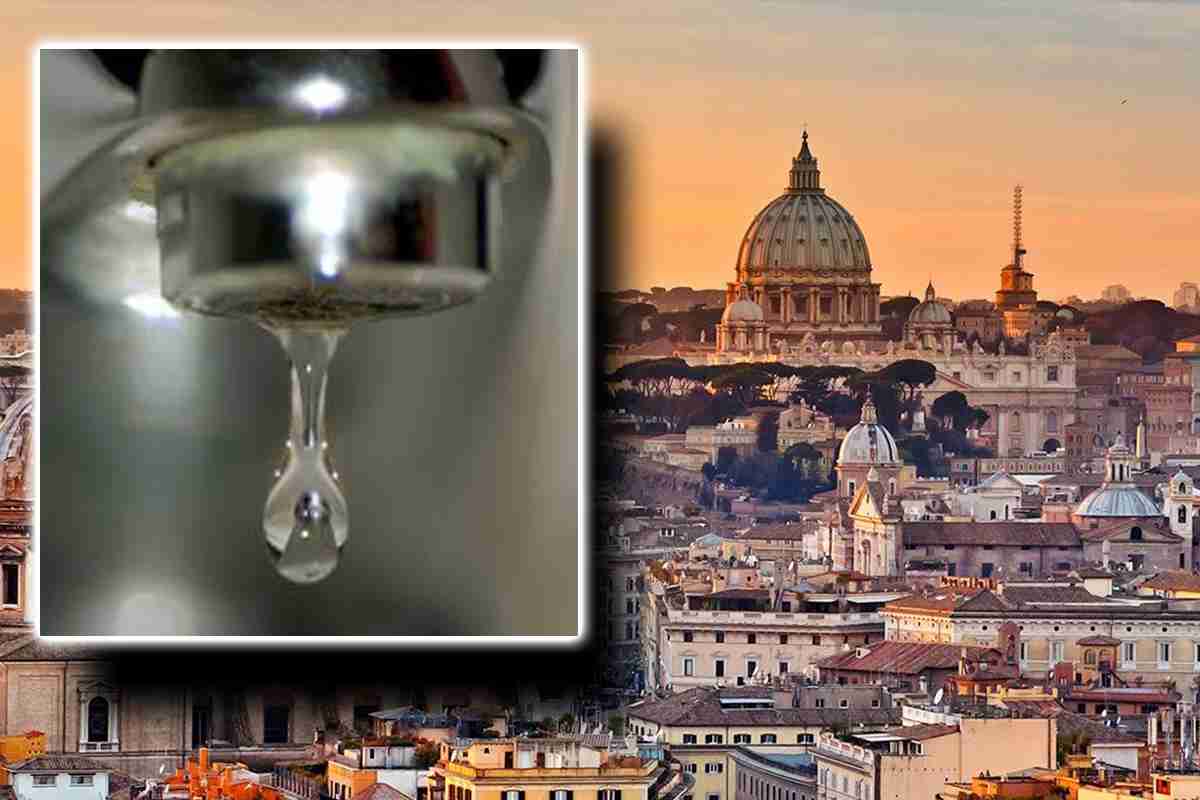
[
  {"x": 843, "y": 703},
  {"x": 1164, "y": 653},
  {"x": 992, "y": 515},
  {"x": 1052, "y": 374},
  {"x": 819, "y": 702},
  {"x": 714, "y": 738},
  {"x": 605, "y": 794},
  {"x": 514, "y": 794},
  {"x": 1024, "y": 651},
  {"x": 1129, "y": 652},
  {"x": 751, "y": 638},
  {"x": 1016, "y": 377},
  {"x": 81, "y": 780},
  {"x": 720, "y": 637},
  {"x": 557, "y": 794},
  {"x": 719, "y": 667},
  {"x": 1056, "y": 652},
  {"x": 741, "y": 738},
  {"x": 275, "y": 724},
  {"x": 689, "y": 738},
  {"x": 816, "y": 638},
  {"x": 1181, "y": 516},
  {"x": 12, "y": 585},
  {"x": 783, "y": 638},
  {"x": 875, "y": 703},
  {"x": 714, "y": 767},
  {"x": 689, "y": 667},
  {"x": 1135, "y": 534},
  {"x": 805, "y": 738},
  {"x": 629, "y": 584},
  {"x": 751, "y": 667},
  {"x": 628, "y": 606},
  {"x": 97, "y": 720},
  {"x": 687, "y": 636},
  {"x": 43, "y": 780},
  {"x": 767, "y": 738},
  {"x": 986, "y": 568},
  {"x": 783, "y": 667}
]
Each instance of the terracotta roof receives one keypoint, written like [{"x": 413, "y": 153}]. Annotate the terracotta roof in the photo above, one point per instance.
[
  {"x": 920, "y": 733},
  {"x": 903, "y": 658},
  {"x": 794, "y": 531},
  {"x": 701, "y": 706},
  {"x": 1111, "y": 696},
  {"x": 1054, "y": 594},
  {"x": 1036, "y": 534},
  {"x": 380, "y": 791},
  {"x": 1174, "y": 581}
]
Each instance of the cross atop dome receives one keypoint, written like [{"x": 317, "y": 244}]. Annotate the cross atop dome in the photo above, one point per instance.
[{"x": 804, "y": 175}]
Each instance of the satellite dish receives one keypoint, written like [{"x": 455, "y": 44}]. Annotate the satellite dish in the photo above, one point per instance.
[{"x": 937, "y": 697}]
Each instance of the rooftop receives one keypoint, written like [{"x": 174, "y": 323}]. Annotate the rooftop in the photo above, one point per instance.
[
  {"x": 702, "y": 706},
  {"x": 905, "y": 658}
]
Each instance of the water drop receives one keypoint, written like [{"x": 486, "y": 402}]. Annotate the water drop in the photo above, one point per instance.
[{"x": 306, "y": 520}]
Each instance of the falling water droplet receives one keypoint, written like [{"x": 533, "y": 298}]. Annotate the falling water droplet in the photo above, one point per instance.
[{"x": 306, "y": 520}]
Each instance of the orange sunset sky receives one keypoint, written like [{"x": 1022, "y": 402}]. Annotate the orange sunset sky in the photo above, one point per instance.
[{"x": 922, "y": 118}]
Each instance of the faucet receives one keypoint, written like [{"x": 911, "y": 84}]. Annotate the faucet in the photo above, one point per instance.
[{"x": 306, "y": 191}]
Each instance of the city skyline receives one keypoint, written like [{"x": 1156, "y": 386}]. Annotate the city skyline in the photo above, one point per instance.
[{"x": 923, "y": 120}]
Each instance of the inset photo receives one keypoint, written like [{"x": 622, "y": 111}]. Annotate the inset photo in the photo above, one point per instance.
[{"x": 309, "y": 357}]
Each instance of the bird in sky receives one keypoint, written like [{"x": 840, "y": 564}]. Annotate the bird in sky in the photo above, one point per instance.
[{"x": 1126, "y": 100}]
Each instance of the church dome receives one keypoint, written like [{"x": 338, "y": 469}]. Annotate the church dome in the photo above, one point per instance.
[
  {"x": 868, "y": 442},
  {"x": 803, "y": 228},
  {"x": 930, "y": 311},
  {"x": 1117, "y": 501},
  {"x": 742, "y": 310}
]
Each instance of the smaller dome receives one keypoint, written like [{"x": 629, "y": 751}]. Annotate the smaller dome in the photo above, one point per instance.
[
  {"x": 930, "y": 311},
  {"x": 742, "y": 310},
  {"x": 868, "y": 442},
  {"x": 1117, "y": 501}
]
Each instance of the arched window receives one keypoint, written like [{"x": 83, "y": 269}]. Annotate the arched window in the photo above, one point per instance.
[
  {"x": 1182, "y": 487},
  {"x": 97, "y": 720},
  {"x": 1089, "y": 657},
  {"x": 1135, "y": 534},
  {"x": 1051, "y": 422},
  {"x": 1182, "y": 516},
  {"x": 1016, "y": 420},
  {"x": 992, "y": 513}
]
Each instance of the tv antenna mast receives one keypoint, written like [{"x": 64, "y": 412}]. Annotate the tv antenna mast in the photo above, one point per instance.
[{"x": 1018, "y": 248}]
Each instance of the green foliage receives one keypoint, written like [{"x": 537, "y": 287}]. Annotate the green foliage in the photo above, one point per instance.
[
  {"x": 616, "y": 724},
  {"x": 426, "y": 754},
  {"x": 768, "y": 432}
]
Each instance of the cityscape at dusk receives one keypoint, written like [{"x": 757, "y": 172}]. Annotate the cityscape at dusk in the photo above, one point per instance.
[{"x": 842, "y": 444}]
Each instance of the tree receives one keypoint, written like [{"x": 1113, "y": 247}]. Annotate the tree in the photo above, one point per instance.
[
  {"x": 426, "y": 754},
  {"x": 953, "y": 408},
  {"x": 898, "y": 307},
  {"x": 744, "y": 385},
  {"x": 768, "y": 432},
  {"x": 909, "y": 373},
  {"x": 726, "y": 458}
]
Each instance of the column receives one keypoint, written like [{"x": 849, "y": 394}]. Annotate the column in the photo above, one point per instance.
[
  {"x": 814, "y": 304},
  {"x": 786, "y": 304}
]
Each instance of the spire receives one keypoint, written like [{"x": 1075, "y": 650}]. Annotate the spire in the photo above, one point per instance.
[
  {"x": 804, "y": 175},
  {"x": 930, "y": 294}
]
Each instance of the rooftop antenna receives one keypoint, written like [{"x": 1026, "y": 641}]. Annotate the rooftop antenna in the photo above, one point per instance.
[{"x": 1018, "y": 248}]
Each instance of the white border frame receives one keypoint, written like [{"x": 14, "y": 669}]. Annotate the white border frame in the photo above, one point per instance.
[{"x": 583, "y": 634}]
